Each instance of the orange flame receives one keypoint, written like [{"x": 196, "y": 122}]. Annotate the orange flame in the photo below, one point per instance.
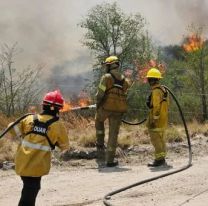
[
  {"x": 193, "y": 43},
  {"x": 143, "y": 69},
  {"x": 67, "y": 107},
  {"x": 83, "y": 102}
]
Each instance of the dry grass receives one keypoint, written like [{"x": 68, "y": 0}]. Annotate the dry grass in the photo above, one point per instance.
[
  {"x": 4, "y": 121},
  {"x": 82, "y": 137},
  {"x": 7, "y": 150},
  {"x": 196, "y": 128},
  {"x": 7, "y": 146},
  {"x": 81, "y": 130},
  {"x": 175, "y": 134},
  {"x": 82, "y": 134},
  {"x": 132, "y": 135}
]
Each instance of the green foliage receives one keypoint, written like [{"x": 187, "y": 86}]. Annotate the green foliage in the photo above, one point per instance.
[
  {"x": 137, "y": 109},
  {"x": 111, "y": 32},
  {"x": 186, "y": 75}
]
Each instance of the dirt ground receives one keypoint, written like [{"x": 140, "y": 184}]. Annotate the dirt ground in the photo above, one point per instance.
[{"x": 81, "y": 183}]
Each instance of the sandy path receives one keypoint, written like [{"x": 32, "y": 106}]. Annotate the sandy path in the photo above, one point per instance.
[{"x": 82, "y": 186}]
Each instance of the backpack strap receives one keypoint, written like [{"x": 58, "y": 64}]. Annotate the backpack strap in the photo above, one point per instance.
[
  {"x": 165, "y": 95},
  {"x": 41, "y": 128},
  {"x": 117, "y": 83}
]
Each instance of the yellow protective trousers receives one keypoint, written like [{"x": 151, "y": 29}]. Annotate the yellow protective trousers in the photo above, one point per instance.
[
  {"x": 114, "y": 126},
  {"x": 158, "y": 141}
]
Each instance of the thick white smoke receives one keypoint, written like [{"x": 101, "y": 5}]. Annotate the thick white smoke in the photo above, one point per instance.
[{"x": 48, "y": 32}]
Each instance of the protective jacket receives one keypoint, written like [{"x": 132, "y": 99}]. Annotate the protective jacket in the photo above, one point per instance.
[
  {"x": 112, "y": 92},
  {"x": 158, "y": 104},
  {"x": 39, "y": 134}
]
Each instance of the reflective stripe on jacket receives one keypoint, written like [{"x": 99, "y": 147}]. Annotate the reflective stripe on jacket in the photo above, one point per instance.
[
  {"x": 158, "y": 115},
  {"x": 33, "y": 156}
]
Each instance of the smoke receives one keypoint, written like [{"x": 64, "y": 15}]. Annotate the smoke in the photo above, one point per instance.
[
  {"x": 61, "y": 76},
  {"x": 70, "y": 85},
  {"x": 193, "y": 11},
  {"x": 47, "y": 30},
  {"x": 168, "y": 20}
]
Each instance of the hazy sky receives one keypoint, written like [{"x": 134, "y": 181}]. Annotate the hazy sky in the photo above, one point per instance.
[{"x": 47, "y": 30}]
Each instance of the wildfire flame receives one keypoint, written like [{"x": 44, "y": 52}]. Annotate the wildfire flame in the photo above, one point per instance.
[
  {"x": 83, "y": 101},
  {"x": 193, "y": 43},
  {"x": 67, "y": 107},
  {"x": 142, "y": 70}
]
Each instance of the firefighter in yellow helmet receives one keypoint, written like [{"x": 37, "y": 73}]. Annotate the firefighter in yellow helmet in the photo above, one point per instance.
[
  {"x": 111, "y": 105},
  {"x": 158, "y": 103},
  {"x": 39, "y": 134}
]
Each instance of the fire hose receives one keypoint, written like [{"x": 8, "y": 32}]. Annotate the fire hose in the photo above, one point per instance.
[
  {"x": 108, "y": 196},
  {"x": 13, "y": 124},
  {"x": 83, "y": 108},
  {"x": 25, "y": 115}
]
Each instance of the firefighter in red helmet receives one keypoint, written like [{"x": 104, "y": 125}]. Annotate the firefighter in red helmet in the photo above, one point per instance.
[{"x": 39, "y": 134}]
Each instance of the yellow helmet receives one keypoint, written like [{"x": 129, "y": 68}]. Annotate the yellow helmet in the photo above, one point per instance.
[
  {"x": 154, "y": 73},
  {"x": 111, "y": 60}
]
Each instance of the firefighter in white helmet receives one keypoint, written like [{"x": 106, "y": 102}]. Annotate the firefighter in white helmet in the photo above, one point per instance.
[
  {"x": 158, "y": 103},
  {"x": 39, "y": 134},
  {"x": 111, "y": 105}
]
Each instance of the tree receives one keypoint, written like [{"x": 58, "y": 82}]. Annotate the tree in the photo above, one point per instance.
[
  {"x": 17, "y": 88},
  {"x": 187, "y": 73},
  {"x": 196, "y": 61},
  {"x": 110, "y": 32}
]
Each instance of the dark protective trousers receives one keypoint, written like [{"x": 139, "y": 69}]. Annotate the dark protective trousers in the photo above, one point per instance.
[
  {"x": 114, "y": 126},
  {"x": 31, "y": 187}
]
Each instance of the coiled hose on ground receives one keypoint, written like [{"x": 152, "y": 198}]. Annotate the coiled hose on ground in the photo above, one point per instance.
[{"x": 108, "y": 196}]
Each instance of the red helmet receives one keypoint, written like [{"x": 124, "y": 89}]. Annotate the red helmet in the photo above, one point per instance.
[{"x": 54, "y": 98}]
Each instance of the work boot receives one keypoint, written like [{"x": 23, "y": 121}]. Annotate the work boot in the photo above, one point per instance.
[
  {"x": 157, "y": 163},
  {"x": 112, "y": 164}
]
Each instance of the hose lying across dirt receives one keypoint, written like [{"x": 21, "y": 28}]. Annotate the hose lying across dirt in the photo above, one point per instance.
[{"x": 109, "y": 195}]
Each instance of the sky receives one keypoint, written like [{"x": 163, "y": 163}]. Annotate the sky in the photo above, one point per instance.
[{"x": 47, "y": 31}]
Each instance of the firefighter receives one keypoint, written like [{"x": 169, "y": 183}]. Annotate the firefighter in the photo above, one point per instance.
[
  {"x": 111, "y": 105},
  {"x": 39, "y": 134},
  {"x": 157, "y": 121}
]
